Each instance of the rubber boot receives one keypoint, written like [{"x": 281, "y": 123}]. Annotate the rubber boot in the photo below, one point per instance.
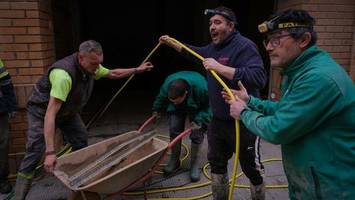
[
  {"x": 257, "y": 191},
  {"x": 194, "y": 162},
  {"x": 174, "y": 161},
  {"x": 219, "y": 186},
  {"x": 22, "y": 187}
]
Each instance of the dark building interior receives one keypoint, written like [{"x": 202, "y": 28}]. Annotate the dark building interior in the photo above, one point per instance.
[{"x": 129, "y": 31}]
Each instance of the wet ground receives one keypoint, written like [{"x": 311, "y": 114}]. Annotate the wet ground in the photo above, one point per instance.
[{"x": 127, "y": 113}]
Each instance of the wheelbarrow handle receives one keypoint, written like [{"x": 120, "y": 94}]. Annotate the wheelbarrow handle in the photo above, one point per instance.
[
  {"x": 179, "y": 137},
  {"x": 146, "y": 123}
]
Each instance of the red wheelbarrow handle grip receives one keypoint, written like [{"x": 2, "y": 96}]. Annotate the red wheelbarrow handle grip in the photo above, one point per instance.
[
  {"x": 146, "y": 123},
  {"x": 179, "y": 137}
]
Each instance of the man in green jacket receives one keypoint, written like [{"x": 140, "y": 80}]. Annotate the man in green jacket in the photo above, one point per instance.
[
  {"x": 184, "y": 94},
  {"x": 314, "y": 121}
]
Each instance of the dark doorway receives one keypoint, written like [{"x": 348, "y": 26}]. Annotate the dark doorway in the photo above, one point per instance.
[{"x": 129, "y": 32}]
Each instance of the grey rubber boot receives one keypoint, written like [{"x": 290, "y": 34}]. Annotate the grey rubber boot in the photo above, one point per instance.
[
  {"x": 194, "y": 162},
  {"x": 219, "y": 186},
  {"x": 22, "y": 187},
  {"x": 257, "y": 191},
  {"x": 174, "y": 160}
]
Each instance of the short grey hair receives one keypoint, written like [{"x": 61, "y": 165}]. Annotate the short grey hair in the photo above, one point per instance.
[{"x": 90, "y": 46}]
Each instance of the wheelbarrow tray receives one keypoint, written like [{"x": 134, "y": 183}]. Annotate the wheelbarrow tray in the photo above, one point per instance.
[{"x": 118, "y": 177}]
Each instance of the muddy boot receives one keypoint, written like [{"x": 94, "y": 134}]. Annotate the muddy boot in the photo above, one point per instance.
[
  {"x": 219, "y": 186},
  {"x": 194, "y": 162},
  {"x": 5, "y": 187},
  {"x": 22, "y": 187},
  {"x": 257, "y": 191},
  {"x": 174, "y": 161}
]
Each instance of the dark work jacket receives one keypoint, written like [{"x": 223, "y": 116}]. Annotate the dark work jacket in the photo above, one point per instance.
[
  {"x": 82, "y": 85},
  {"x": 238, "y": 52},
  {"x": 7, "y": 95}
]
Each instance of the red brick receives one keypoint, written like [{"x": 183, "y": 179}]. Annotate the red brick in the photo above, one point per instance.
[
  {"x": 34, "y": 30},
  {"x": 34, "y": 79},
  {"x": 7, "y": 56},
  {"x": 28, "y": 39},
  {"x": 5, "y": 22},
  {"x": 22, "y": 79},
  {"x": 14, "y": 47},
  {"x": 19, "y": 141},
  {"x": 26, "y": 22},
  {"x": 12, "y": 72},
  {"x": 6, "y": 39},
  {"x": 18, "y": 126},
  {"x": 339, "y": 8},
  {"x": 37, "y": 55},
  {"x": 43, "y": 15},
  {"x": 334, "y": 29},
  {"x": 12, "y": 30},
  {"x": 12, "y": 14},
  {"x": 31, "y": 71},
  {"x": 344, "y": 22},
  {"x": 32, "y": 14},
  {"x": 343, "y": 35},
  {"x": 4, "y": 5},
  {"x": 17, "y": 63},
  {"x": 21, "y": 97},
  {"x": 41, "y": 46},
  {"x": 341, "y": 55},
  {"x": 22, "y": 55},
  {"x": 24, "y": 5}
]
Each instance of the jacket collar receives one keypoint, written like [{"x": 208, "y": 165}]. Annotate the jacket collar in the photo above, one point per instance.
[
  {"x": 301, "y": 59},
  {"x": 227, "y": 40}
]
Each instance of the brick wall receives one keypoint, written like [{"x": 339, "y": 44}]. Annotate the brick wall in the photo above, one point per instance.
[
  {"x": 27, "y": 48},
  {"x": 335, "y": 26}
]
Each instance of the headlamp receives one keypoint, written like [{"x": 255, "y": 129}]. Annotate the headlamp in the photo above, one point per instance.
[
  {"x": 211, "y": 12},
  {"x": 272, "y": 25}
]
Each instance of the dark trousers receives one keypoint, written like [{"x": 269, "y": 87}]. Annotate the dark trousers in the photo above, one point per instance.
[
  {"x": 4, "y": 146},
  {"x": 72, "y": 128},
  {"x": 221, "y": 146},
  {"x": 177, "y": 125}
]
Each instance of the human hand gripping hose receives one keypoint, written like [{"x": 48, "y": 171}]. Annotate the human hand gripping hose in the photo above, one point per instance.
[{"x": 229, "y": 92}]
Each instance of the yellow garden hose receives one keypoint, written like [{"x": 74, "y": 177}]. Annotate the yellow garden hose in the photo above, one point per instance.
[
  {"x": 237, "y": 140},
  {"x": 199, "y": 185}
]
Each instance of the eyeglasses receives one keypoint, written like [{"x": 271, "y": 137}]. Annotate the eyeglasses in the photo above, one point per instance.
[{"x": 274, "y": 41}]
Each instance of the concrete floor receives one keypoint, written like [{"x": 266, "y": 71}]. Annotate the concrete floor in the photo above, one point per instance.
[{"x": 127, "y": 113}]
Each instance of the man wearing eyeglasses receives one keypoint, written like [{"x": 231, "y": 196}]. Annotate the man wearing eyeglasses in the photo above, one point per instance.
[
  {"x": 234, "y": 57},
  {"x": 314, "y": 121}
]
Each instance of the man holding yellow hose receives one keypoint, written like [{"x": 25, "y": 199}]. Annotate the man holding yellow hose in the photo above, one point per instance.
[
  {"x": 56, "y": 102},
  {"x": 235, "y": 58},
  {"x": 314, "y": 120}
]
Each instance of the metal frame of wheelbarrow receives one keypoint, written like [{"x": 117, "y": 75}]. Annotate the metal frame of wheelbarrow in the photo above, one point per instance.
[{"x": 157, "y": 164}]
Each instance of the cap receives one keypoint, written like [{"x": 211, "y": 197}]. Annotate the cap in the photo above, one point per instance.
[{"x": 224, "y": 11}]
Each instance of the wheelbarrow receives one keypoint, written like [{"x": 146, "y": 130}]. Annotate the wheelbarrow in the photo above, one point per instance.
[{"x": 114, "y": 165}]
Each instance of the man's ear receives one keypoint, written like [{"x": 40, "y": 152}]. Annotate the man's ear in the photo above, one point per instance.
[{"x": 305, "y": 40}]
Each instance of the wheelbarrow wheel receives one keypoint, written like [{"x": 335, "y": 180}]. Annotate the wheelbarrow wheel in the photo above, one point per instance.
[{"x": 83, "y": 195}]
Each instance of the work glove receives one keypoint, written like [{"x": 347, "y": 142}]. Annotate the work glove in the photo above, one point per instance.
[{"x": 194, "y": 126}]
